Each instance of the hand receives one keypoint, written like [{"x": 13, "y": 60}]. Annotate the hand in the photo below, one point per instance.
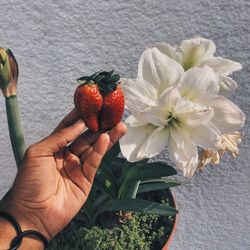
[{"x": 55, "y": 179}]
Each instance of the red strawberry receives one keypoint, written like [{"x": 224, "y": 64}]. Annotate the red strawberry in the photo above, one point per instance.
[
  {"x": 113, "y": 107},
  {"x": 88, "y": 101},
  {"x": 99, "y": 100}
]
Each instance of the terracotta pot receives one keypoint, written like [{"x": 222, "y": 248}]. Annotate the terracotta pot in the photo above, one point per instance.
[{"x": 172, "y": 200}]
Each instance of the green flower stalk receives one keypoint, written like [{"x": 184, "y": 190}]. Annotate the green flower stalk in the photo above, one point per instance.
[{"x": 8, "y": 85}]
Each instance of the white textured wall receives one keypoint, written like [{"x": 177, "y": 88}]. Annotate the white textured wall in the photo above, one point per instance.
[{"x": 57, "y": 41}]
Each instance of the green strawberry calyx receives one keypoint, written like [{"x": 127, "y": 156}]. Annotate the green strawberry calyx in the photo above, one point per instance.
[{"x": 107, "y": 81}]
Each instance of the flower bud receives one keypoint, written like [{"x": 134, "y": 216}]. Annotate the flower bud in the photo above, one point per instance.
[{"x": 8, "y": 73}]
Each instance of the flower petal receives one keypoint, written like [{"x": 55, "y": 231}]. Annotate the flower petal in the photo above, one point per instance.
[
  {"x": 199, "y": 83},
  {"x": 227, "y": 86},
  {"x": 158, "y": 69},
  {"x": 182, "y": 152},
  {"x": 222, "y": 66},
  {"x": 133, "y": 140},
  {"x": 134, "y": 122},
  {"x": 167, "y": 50},
  {"x": 205, "y": 135},
  {"x": 139, "y": 94},
  {"x": 194, "y": 51},
  {"x": 206, "y": 157},
  {"x": 154, "y": 144},
  {"x": 231, "y": 141},
  {"x": 169, "y": 98},
  {"x": 158, "y": 115},
  {"x": 153, "y": 116},
  {"x": 227, "y": 116},
  {"x": 191, "y": 114}
]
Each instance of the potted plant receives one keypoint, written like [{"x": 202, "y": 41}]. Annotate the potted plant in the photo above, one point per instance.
[{"x": 177, "y": 101}]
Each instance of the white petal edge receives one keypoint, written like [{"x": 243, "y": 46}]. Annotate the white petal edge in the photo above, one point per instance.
[
  {"x": 168, "y": 50},
  {"x": 227, "y": 86},
  {"x": 183, "y": 153},
  {"x": 158, "y": 115},
  {"x": 158, "y": 69},
  {"x": 194, "y": 51},
  {"x": 133, "y": 121},
  {"x": 227, "y": 116},
  {"x": 155, "y": 143},
  {"x": 222, "y": 66},
  {"x": 199, "y": 83},
  {"x": 191, "y": 114},
  {"x": 206, "y": 136},
  {"x": 139, "y": 94},
  {"x": 133, "y": 140}
]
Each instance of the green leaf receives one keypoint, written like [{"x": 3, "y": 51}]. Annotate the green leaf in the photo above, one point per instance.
[
  {"x": 107, "y": 73},
  {"x": 114, "y": 78},
  {"x": 82, "y": 217},
  {"x": 141, "y": 162},
  {"x": 125, "y": 167},
  {"x": 112, "y": 153},
  {"x": 87, "y": 210},
  {"x": 117, "y": 164},
  {"x": 145, "y": 172},
  {"x": 106, "y": 171},
  {"x": 102, "y": 197},
  {"x": 137, "y": 205},
  {"x": 131, "y": 190},
  {"x": 102, "y": 186},
  {"x": 160, "y": 180},
  {"x": 156, "y": 186}
]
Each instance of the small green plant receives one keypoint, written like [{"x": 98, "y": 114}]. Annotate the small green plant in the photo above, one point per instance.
[
  {"x": 118, "y": 183},
  {"x": 141, "y": 231}
]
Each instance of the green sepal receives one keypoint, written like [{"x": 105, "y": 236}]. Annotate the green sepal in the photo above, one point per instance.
[
  {"x": 5, "y": 73},
  {"x": 107, "y": 81}
]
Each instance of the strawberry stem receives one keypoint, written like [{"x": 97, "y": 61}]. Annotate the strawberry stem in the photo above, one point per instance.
[{"x": 107, "y": 81}]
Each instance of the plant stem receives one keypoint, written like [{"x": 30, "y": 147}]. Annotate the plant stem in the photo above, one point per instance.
[{"x": 15, "y": 129}]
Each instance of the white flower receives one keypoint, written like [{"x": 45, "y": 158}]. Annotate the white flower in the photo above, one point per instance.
[
  {"x": 200, "y": 52},
  {"x": 199, "y": 86},
  {"x": 175, "y": 109},
  {"x": 174, "y": 122}
]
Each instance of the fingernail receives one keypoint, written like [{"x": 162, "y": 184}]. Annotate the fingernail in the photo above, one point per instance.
[
  {"x": 105, "y": 135},
  {"x": 79, "y": 122}
]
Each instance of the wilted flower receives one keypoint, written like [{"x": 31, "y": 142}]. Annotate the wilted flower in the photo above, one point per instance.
[
  {"x": 230, "y": 144},
  {"x": 175, "y": 109},
  {"x": 8, "y": 72},
  {"x": 200, "y": 52}
]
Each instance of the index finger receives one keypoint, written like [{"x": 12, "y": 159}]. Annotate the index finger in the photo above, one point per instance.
[{"x": 68, "y": 120}]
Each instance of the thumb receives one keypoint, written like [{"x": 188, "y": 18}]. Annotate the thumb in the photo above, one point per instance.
[{"x": 57, "y": 141}]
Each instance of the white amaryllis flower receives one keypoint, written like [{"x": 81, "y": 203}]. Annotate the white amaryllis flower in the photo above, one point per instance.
[
  {"x": 174, "y": 122},
  {"x": 200, "y": 52},
  {"x": 175, "y": 109},
  {"x": 199, "y": 86}
]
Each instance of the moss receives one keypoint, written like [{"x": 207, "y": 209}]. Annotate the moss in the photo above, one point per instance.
[{"x": 143, "y": 231}]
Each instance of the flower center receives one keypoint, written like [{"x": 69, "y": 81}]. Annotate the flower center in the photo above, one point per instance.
[{"x": 172, "y": 120}]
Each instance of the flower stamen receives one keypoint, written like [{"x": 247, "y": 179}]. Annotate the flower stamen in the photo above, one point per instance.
[{"x": 172, "y": 120}]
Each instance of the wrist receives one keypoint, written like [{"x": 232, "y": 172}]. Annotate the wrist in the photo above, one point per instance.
[
  {"x": 27, "y": 218},
  {"x": 8, "y": 233}
]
